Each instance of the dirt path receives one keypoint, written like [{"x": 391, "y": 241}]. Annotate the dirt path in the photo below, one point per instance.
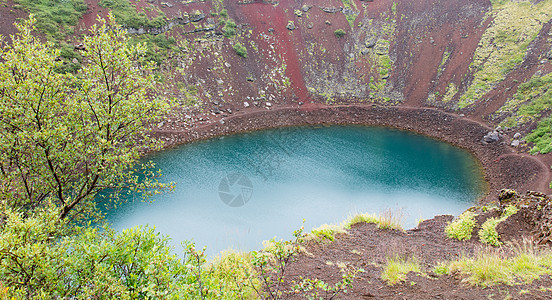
[{"x": 513, "y": 170}]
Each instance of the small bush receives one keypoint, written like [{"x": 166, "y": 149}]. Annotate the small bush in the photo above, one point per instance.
[
  {"x": 229, "y": 28},
  {"x": 461, "y": 228},
  {"x": 387, "y": 220},
  {"x": 491, "y": 266},
  {"x": 396, "y": 269},
  {"x": 327, "y": 232},
  {"x": 240, "y": 50},
  {"x": 488, "y": 233},
  {"x": 339, "y": 33}
]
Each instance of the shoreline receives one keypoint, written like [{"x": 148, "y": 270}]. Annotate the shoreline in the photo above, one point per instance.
[{"x": 497, "y": 159}]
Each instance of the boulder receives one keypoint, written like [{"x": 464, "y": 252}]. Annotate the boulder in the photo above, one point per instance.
[
  {"x": 331, "y": 10},
  {"x": 197, "y": 16},
  {"x": 491, "y": 137},
  {"x": 290, "y": 25}
]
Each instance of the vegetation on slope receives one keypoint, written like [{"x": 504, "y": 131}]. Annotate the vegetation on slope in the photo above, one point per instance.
[
  {"x": 493, "y": 266},
  {"x": 126, "y": 14},
  {"x": 504, "y": 44},
  {"x": 55, "y": 18},
  {"x": 461, "y": 228},
  {"x": 532, "y": 99}
]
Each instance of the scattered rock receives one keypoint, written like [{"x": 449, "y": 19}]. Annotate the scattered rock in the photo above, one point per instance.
[
  {"x": 270, "y": 30},
  {"x": 75, "y": 61},
  {"x": 197, "y": 16},
  {"x": 310, "y": 25},
  {"x": 246, "y": 104},
  {"x": 371, "y": 42},
  {"x": 348, "y": 11},
  {"x": 268, "y": 104},
  {"x": 381, "y": 47},
  {"x": 331, "y": 10},
  {"x": 491, "y": 137},
  {"x": 290, "y": 25},
  {"x": 517, "y": 135},
  {"x": 549, "y": 54},
  {"x": 515, "y": 143},
  {"x": 328, "y": 22},
  {"x": 306, "y": 8},
  {"x": 300, "y": 103},
  {"x": 80, "y": 47}
]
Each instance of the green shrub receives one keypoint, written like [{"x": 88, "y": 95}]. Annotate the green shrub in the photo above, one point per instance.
[
  {"x": 339, "y": 33},
  {"x": 229, "y": 28},
  {"x": 125, "y": 13},
  {"x": 461, "y": 228},
  {"x": 488, "y": 234},
  {"x": 492, "y": 267},
  {"x": 240, "y": 50},
  {"x": 396, "y": 269},
  {"x": 55, "y": 17}
]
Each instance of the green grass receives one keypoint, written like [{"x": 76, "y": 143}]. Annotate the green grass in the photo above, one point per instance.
[
  {"x": 55, "y": 18},
  {"x": 234, "y": 274},
  {"x": 461, "y": 228},
  {"x": 327, "y": 232},
  {"x": 504, "y": 44},
  {"x": 159, "y": 46},
  {"x": 532, "y": 99},
  {"x": 240, "y": 50},
  {"x": 491, "y": 266},
  {"x": 396, "y": 269},
  {"x": 229, "y": 29},
  {"x": 542, "y": 137},
  {"x": 339, "y": 33},
  {"x": 488, "y": 234},
  {"x": 125, "y": 13},
  {"x": 387, "y": 220}
]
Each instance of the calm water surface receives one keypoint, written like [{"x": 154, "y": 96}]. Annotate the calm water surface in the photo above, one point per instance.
[{"x": 236, "y": 191}]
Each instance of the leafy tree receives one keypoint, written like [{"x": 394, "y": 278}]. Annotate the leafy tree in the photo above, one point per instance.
[{"x": 65, "y": 138}]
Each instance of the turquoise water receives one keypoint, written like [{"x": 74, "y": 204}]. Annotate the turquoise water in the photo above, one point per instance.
[{"x": 236, "y": 191}]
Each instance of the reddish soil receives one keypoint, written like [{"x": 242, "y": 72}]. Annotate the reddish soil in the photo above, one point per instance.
[
  {"x": 498, "y": 159},
  {"x": 367, "y": 247},
  {"x": 424, "y": 31},
  {"x": 8, "y": 16}
]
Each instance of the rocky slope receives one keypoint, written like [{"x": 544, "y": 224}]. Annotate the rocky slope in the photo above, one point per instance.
[{"x": 473, "y": 73}]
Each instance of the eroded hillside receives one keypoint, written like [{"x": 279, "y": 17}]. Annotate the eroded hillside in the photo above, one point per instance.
[{"x": 488, "y": 61}]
